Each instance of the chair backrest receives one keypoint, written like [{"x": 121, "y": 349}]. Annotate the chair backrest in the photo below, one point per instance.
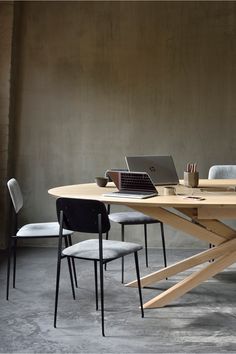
[
  {"x": 82, "y": 215},
  {"x": 15, "y": 194},
  {"x": 222, "y": 171}
]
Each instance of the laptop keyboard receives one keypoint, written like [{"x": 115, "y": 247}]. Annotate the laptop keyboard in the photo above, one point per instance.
[
  {"x": 136, "y": 182},
  {"x": 132, "y": 185}
]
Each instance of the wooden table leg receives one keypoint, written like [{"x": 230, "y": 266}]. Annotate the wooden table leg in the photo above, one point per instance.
[
  {"x": 191, "y": 281},
  {"x": 202, "y": 257},
  {"x": 212, "y": 231},
  {"x": 180, "y": 223}
]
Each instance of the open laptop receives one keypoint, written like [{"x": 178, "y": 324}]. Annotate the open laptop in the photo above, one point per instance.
[
  {"x": 161, "y": 169},
  {"x": 131, "y": 185}
]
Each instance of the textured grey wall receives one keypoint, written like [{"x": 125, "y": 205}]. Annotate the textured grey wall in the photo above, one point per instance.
[{"x": 99, "y": 80}]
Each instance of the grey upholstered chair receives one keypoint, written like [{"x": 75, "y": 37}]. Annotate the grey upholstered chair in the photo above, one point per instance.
[
  {"x": 90, "y": 216},
  {"x": 35, "y": 230},
  {"x": 222, "y": 171},
  {"x": 135, "y": 218}
]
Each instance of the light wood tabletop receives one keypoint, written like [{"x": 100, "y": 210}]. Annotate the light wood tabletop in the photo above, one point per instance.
[{"x": 195, "y": 211}]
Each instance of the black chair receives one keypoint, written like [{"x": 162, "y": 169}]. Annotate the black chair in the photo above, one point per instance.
[
  {"x": 135, "y": 218},
  {"x": 29, "y": 231},
  {"x": 90, "y": 216}
]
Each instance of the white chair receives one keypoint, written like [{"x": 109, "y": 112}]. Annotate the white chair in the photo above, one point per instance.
[
  {"x": 222, "y": 171},
  {"x": 136, "y": 218},
  {"x": 36, "y": 230}
]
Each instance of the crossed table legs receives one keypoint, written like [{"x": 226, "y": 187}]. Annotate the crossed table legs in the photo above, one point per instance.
[{"x": 211, "y": 230}]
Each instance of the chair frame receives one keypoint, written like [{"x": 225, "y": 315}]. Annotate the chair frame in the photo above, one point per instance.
[
  {"x": 13, "y": 238},
  {"x": 145, "y": 242},
  {"x": 101, "y": 262}
]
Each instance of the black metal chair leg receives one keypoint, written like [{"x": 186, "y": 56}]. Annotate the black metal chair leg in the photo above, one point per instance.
[
  {"x": 14, "y": 263},
  {"x": 70, "y": 269},
  {"x": 139, "y": 283},
  {"x": 107, "y": 236},
  {"x": 96, "y": 283},
  {"x": 71, "y": 277},
  {"x": 163, "y": 244},
  {"x": 145, "y": 242},
  {"x": 107, "y": 233},
  {"x": 102, "y": 297},
  {"x": 122, "y": 258},
  {"x": 8, "y": 268},
  {"x": 73, "y": 263},
  {"x": 210, "y": 246},
  {"x": 105, "y": 265},
  {"x": 57, "y": 289}
]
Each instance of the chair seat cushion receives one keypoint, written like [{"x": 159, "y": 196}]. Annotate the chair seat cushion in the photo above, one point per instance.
[
  {"x": 132, "y": 218},
  {"x": 43, "y": 229},
  {"x": 89, "y": 249}
]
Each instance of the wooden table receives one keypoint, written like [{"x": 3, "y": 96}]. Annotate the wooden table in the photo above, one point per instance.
[{"x": 199, "y": 218}]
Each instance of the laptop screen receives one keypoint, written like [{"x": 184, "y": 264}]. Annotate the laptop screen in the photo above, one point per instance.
[{"x": 161, "y": 169}]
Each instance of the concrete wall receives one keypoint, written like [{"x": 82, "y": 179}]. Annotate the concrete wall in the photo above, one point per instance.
[{"x": 99, "y": 80}]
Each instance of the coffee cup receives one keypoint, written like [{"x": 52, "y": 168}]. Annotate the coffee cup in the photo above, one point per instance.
[{"x": 169, "y": 191}]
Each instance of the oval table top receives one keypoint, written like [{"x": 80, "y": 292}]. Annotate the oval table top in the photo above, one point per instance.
[{"x": 220, "y": 192}]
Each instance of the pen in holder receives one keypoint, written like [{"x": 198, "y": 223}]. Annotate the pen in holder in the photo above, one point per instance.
[{"x": 191, "y": 176}]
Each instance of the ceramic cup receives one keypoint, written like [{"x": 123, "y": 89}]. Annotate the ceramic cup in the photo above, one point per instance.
[
  {"x": 191, "y": 179},
  {"x": 169, "y": 191},
  {"x": 101, "y": 181}
]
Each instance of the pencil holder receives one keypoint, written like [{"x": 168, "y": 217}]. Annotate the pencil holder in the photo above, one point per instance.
[{"x": 191, "y": 179}]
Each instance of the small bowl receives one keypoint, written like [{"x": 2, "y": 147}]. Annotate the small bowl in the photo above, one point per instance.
[{"x": 101, "y": 181}]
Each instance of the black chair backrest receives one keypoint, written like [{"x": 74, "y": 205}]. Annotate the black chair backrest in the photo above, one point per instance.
[{"x": 82, "y": 215}]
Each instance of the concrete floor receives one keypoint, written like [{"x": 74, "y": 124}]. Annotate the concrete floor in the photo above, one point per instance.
[{"x": 203, "y": 321}]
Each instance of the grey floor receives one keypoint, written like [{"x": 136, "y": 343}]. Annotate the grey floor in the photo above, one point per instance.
[{"x": 202, "y": 321}]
